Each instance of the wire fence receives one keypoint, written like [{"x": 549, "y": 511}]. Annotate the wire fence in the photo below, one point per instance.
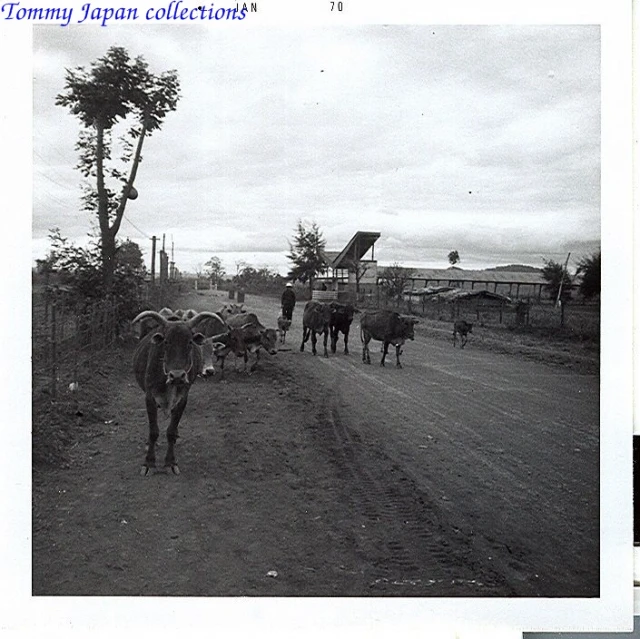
[
  {"x": 67, "y": 343},
  {"x": 573, "y": 319},
  {"x": 69, "y": 340}
]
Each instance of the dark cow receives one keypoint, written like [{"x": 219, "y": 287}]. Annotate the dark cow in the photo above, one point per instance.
[
  {"x": 463, "y": 328},
  {"x": 254, "y": 335},
  {"x": 387, "y": 327},
  {"x": 283, "y": 326},
  {"x": 315, "y": 319},
  {"x": 166, "y": 362},
  {"x": 341, "y": 318}
]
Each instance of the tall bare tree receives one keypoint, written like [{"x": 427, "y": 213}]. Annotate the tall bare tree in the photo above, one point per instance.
[{"x": 115, "y": 89}]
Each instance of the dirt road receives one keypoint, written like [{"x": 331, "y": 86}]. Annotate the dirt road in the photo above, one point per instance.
[{"x": 466, "y": 473}]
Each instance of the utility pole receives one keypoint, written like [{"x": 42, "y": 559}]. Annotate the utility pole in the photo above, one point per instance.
[
  {"x": 153, "y": 260},
  {"x": 172, "y": 265},
  {"x": 564, "y": 270}
]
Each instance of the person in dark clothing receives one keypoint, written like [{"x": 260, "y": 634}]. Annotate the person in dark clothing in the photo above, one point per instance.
[{"x": 288, "y": 301}]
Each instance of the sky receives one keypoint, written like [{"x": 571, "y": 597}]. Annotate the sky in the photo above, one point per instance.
[{"x": 480, "y": 139}]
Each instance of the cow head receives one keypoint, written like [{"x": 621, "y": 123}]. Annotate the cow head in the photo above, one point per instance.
[
  {"x": 407, "y": 326},
  {"x": 268, "y": 339},
  {"x": 231, "y": 341},
  {"x": 343, "y": 313},
  {"x": 176, "y": 345}
]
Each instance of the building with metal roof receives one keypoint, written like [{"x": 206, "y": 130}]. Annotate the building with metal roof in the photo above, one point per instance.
[{"x": 515, "y": 284}]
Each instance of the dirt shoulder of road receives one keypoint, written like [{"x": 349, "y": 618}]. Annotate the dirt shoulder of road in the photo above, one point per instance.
[{"x": 569, "y": 353}]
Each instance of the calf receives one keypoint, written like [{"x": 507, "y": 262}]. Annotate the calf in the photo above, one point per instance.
[
  {"x": 464, "y": 328},
  {"x": 221, "y": 339},
  {"x": 387, "y": 327},
  {"x": 283, "y": 326},
  {"x": 254, "y": 335}
]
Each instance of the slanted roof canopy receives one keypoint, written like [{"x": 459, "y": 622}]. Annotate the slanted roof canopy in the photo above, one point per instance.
[{"x": 355, "y": 249}]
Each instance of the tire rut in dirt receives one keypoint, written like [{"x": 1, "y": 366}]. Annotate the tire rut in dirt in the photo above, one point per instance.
[{"x": 413, "y": 546}]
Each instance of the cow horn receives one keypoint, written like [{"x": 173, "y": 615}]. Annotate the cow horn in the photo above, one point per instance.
[
  {"x": 214, "y": 338},
  {"x": 194, "y": 321},
  {"x": 152, "y": 314}
]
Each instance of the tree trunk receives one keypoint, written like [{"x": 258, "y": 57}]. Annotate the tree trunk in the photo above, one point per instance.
[{"x": 107, "y": 239}]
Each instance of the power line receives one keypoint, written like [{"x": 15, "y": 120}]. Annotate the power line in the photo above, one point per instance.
[
  {"x": 46, "y": 177},
  {"x": 136, "y": 228}
]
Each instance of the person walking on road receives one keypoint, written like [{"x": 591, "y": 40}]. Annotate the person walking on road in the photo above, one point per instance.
[{"x": 288, "y": 301}]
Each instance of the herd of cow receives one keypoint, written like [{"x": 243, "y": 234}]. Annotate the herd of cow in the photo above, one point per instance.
[{"x": 176, "y": 347}]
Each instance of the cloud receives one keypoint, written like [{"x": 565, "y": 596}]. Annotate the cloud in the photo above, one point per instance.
[{"x": 425, "y": 134}]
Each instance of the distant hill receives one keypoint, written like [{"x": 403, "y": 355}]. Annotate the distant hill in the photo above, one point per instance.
[{"x": 516, "y": 268}]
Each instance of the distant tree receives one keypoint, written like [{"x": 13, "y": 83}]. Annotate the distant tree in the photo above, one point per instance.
[
  {"x": 589, "y": 268},
  {"x": 454, "y": 258},
  {"x": 115, "y": 89},
  {"x": 393, "y": 279},
  {"x": 554, "y": 273},
  {"x": 263, "y": 280},
  {"x": 129, "y": 257},
  {"x": 307, "y": 253},
  {"x": 214, "y": 270}
]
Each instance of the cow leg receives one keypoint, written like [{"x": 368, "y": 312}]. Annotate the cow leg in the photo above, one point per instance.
[
  {"x": 305, "y": 337},
  {"x": 314, "y": 341},
  {"x": 326, "y": 335},
  {"x": 255, "y": 364},
  {"x": 366, "y": 357},
  {"x": 346, "y": 342},
  {"x": 172, "y": 436},
  {"x": 398, "y": 351},
  {"x": 334, "y": 339},
  {"x": 152, "y": 414},
  {"x": 221, "y": 360},
  {"x": 385, "y": 351}
]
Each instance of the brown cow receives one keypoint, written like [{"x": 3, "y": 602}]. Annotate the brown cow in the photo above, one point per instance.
[
  {"x": 166, "y": 362},
  {"x": 387, "y": 327}
]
